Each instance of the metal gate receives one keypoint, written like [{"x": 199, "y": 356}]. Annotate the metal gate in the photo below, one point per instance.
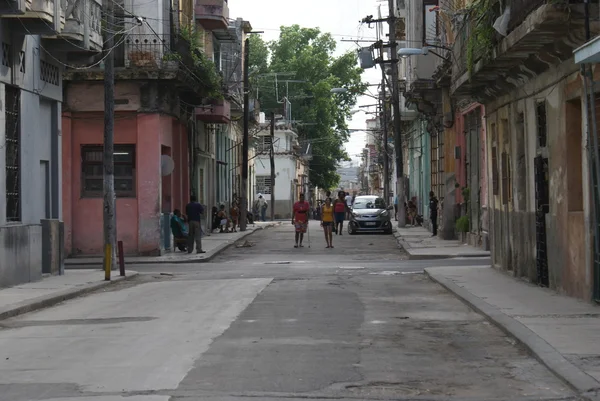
[{"x": 542, "y": 208}]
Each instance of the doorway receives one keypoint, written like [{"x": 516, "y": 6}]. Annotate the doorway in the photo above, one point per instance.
[{"x": 542, "y": 208}]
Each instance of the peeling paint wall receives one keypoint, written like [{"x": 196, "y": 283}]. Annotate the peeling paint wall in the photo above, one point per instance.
[
  {"x": 513, "y": 123},
  {"x": 138, "y": 217}
]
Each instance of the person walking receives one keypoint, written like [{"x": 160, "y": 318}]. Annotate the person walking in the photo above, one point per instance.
[
  {"x": 339, "y": 208},
  {"x": 262, "y": 206},
  {"x": 194, "y": 212},
  {"x": 300, "y": 219},
  {"x": 396, "y": 207},
  {"x": 433, "y": 212},
  {"x": 349, "y": 203},
  {"x": 327, "y": 222}
]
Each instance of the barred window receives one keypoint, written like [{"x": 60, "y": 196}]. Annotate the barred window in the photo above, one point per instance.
[
  {"x": 12, "y": 124},
  {"x": 92, "y": 179},
  {"x": 263, "y": 184}
]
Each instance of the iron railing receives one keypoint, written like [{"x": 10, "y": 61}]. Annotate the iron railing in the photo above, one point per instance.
[
  {"x": 519, "y": 11},
  {"x": 145, "y": 51}
]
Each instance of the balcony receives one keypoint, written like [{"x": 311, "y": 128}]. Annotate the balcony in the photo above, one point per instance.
[
  {"x": 35, "y": 17},
  {"x": 541, "y": 34},
  {"x": 82, "y": 32},
  {"x": 213, "y": 15},
  {"x": 148, "y": 56},
  {"x": 218, "y": 112}
]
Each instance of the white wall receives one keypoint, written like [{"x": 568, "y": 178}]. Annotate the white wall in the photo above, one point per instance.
[{"x": 285, "y": 172}]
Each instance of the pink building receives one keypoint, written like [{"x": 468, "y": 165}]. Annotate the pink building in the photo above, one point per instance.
[
  {"x": 155, "y": 119},
  {"x": 143, "y": 194}
]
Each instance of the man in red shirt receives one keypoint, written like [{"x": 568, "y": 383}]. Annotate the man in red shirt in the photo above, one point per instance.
[{"x": 300, "y": 219}]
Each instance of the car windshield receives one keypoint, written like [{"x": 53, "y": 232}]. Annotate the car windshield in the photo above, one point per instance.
[{"x": 369, "y": 203}]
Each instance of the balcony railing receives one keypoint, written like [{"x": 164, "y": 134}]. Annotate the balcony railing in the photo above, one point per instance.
[
  {"x": 145, "y": 51},
  {"x": 486, "y": 62}
]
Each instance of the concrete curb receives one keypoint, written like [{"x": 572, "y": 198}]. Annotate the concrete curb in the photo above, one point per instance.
[
  {"x": 537, "y": 346},
  {"x": 404, "y": 245},
  {"x": 47, "y": 301},
  {"x": 73, "y": 263}
]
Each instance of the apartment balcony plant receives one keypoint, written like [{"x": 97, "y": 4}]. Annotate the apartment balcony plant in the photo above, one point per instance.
[
  {"x": 176, "y": 57},
  {"x": 540, "y": 33}
]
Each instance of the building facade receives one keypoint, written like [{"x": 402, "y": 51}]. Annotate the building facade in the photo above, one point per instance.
[
  {"x": 291, "y": 168},
  {"x": 535, "y": 188},
  {"x": 31, "y": 95},
  {"x": 162, "y": 74}
]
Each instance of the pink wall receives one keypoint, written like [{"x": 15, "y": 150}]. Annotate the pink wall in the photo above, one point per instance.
[{"x": 138, "y": 219}]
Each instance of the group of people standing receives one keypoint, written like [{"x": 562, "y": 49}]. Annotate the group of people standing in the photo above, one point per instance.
[{"x": 332, "y": 212}]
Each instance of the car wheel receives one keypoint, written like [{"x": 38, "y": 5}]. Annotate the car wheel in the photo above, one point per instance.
[{"x": 351, "y": 231}]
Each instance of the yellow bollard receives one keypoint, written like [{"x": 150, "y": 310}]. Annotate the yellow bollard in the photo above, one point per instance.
[{"x": 107, "y": 261}]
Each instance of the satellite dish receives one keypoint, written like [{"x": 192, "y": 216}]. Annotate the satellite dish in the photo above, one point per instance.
[{"x": 167, "y": 165}]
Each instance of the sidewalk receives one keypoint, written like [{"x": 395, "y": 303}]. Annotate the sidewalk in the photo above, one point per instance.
[
  {"x": 561, "y": 332},
  {"x": 52, "y": 290},
  {"x": 213, "y": 245},
  {"x": 419, "y": 244}
]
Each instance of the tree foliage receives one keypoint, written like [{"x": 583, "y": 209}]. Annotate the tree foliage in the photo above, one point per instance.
[{"x": 306, "y": 54}]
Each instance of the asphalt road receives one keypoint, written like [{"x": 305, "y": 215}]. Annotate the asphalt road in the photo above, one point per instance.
[{"x": 271, "y": 322}]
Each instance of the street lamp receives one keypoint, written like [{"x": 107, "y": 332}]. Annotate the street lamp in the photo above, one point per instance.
[{"x": 408, "y": 51}]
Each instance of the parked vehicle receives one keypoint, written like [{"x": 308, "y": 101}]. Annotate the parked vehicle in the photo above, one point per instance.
[{"x": 370, "y": 213}]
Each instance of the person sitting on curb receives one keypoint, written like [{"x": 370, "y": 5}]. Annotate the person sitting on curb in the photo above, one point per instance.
[
  {"x": 179, "y": 230},
  {"x": 223, "y": 220}
]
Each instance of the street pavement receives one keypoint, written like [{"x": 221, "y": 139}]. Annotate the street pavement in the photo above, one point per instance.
[{"x": 266, "y": 321}]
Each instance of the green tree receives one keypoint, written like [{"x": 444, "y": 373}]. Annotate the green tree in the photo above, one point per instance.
[{"x": 306, "y": 54}]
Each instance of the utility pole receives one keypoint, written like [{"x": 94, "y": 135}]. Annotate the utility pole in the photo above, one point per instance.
[
  {"x": 110, "y": 227},
  {"x": 244, "y": 189},
  {"x": 272, "y": 157},
  {"x": 386, "y": 161},
  {"x": 397, "y": 117}
]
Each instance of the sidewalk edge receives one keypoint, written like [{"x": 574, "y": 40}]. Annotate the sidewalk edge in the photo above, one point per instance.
[
  {"x": 537, "y": 346},
  {"x": 218, "y": 250},
  {"x": 47, "y": 301}
]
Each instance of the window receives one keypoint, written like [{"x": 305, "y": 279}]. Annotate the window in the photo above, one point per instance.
[
  {"x": 12, "y": 125},
  {"x": 368, "y": 203},
  {"x": 542, "y": 126},
  {"x": 92, "y": 182},
  {"x": 495, "y": 184},
  {"x": 264, "y": 144},
  {"x": 263, "y": 184},
  {"x": 506, "y": 179},
  {"x": 430, "y": 22}
]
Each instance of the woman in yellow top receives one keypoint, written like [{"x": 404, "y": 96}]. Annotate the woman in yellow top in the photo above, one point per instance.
[{"x": 327, "y": 222}]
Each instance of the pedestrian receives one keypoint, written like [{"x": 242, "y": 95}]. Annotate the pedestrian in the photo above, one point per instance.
[
  {"x": 235, "y": 216},
  {"x": 396, "y": 207},
  {"x": 262, "y": 207},
  {"x": 327, "y": 222},
  {"x": 349, "y": 203},
  {"x": 300, "y": 219},
  {"x": 194, "y": 212},
  {"x": 433, "y": 212},
  {"x": 339, "y": 208}
]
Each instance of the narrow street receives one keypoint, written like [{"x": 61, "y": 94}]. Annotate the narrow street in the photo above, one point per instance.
[{"x": 270, "y": 322}]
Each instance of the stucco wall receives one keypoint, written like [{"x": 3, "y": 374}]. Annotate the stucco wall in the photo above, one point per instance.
[
  {"x": 40, "y": 176},
  {"x": 20, "y": 254},
  {"x": 285, "y": 172},
  {"x": 513, "y": 224},
  {"x": 138, "y": 218}
]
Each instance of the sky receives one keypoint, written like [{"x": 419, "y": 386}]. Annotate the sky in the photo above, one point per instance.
[{"x": 338, "y": 17}]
